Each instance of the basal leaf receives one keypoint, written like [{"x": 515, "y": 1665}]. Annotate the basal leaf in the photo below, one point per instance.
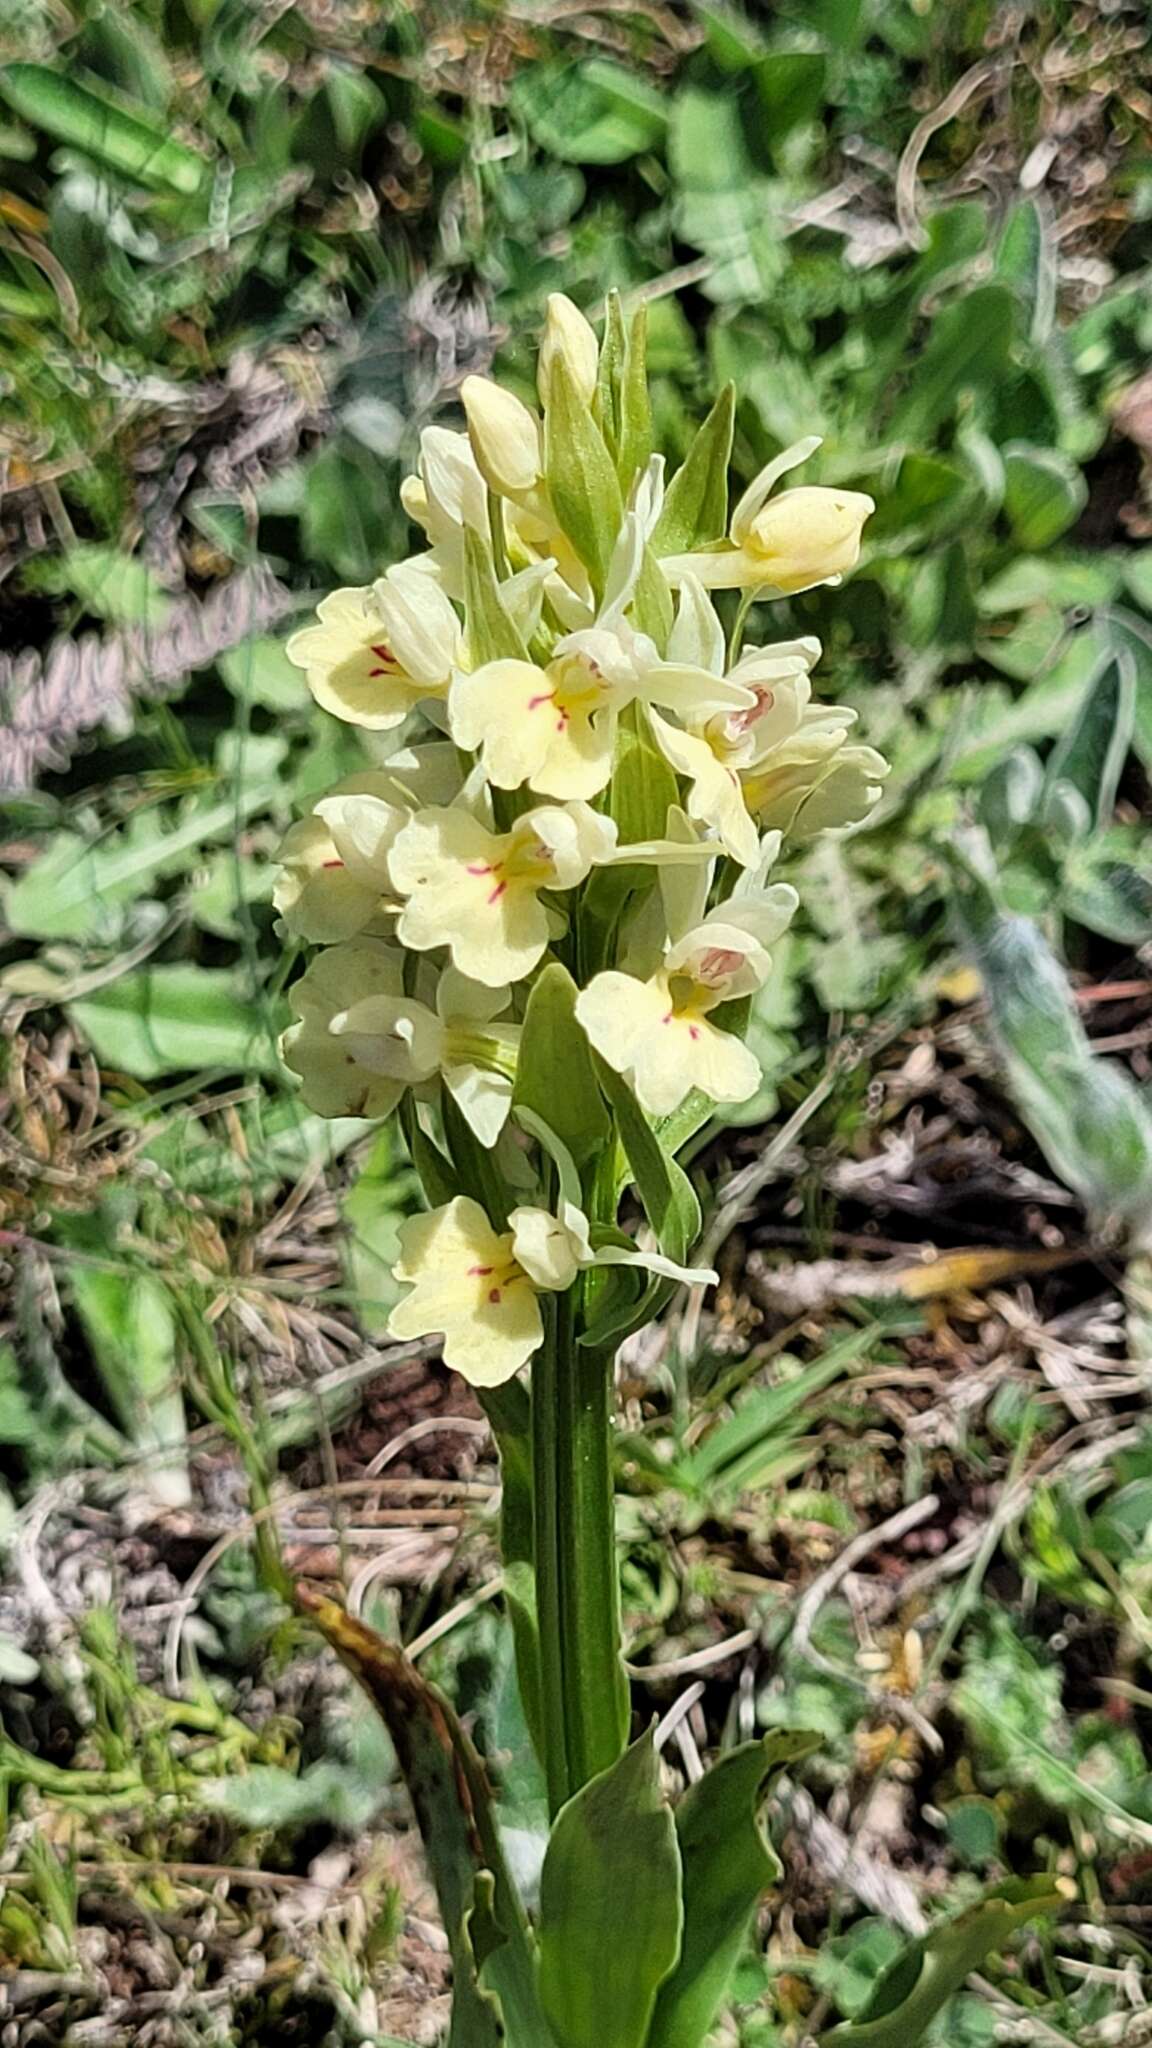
[
  {"x": 610, "y": 1910},
  {"x": 920, "y": 1982},
  {"x": 727, "y": 1863}
]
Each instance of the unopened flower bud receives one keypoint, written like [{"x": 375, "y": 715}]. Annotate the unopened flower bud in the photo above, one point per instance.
[
  {"x": 568, "y": 334},
  {"x": 808, "y": 534},
  {"x": 505, "y": 437}
]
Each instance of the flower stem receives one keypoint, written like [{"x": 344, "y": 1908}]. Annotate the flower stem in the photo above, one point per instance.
[{"x": 585, "y": 1699}]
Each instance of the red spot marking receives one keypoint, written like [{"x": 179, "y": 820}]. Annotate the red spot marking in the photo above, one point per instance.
[
  {"x": 331, "y": 863},
  {"x": 497, "y": 892},
  {"x": 478, "y": 867},
  {"x": 667, "y": 1019},
  {"x": 480, "y": 1270},
  {"x": 693, "y": 1032},
  {"x": 545, "y": 697},
  {"x": 765, "y": 699},
  {"x": 494, "y": 1296}
]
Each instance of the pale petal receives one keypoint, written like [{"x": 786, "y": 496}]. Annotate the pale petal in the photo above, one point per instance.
[
  {"x": 391, "y": 1035},
  {"x": 758, "y": 490},
  {"x": 715, "y": 795},
  {"x": 483, "y": 1099},
  {"x": 548, "y": 1252},
  {"x": 618, "y": 1013},
  {"x": 687, "y": 1053},
  {"x": 697, "y": 637}
]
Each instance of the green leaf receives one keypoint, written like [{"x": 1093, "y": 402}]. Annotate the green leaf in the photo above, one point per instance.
[
  {"x": 594, "y": 113},
  {"x": 921, "y": 1981},
  {"x": 474, "y": 1166},
  {"x": 580, "y": 474},
  {"x": 449, "y": 1791},
  {"x": 1044, "y": 494},
  {"x": 1086, "y": 1114},
  {"x": 130, "y": 1328},
  {"x": 1090, "y": 755},
  {"x": 791, "y": 88},
  {"x": 636, "y": 435},
  {"x": 509, "y": 1417},
  {"x": 610, "y": 1910},
  {"x": 727, "y": 1863},
  {"x": 968, "y": 349},
  {"x": 664, "y": 1188},
  {"x": 81, "y": 889},
  {"x": 554, "y": 1073},
  {"x": 372, "y": 1210},
  {"x": 491, "y": 633},
  {"x": 114, "y": 585},
  {"x": 259, "y": 672},
  {"x": 177, "y": 1020},
  {"x": 83, "y": 111},
  {"x": 695, "y": 507}
]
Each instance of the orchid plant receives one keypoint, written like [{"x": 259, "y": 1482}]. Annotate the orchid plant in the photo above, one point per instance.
[{"x": 542, "y": 917}]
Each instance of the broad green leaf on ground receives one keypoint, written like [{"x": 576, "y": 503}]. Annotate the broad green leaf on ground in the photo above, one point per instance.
[
  {"x": 610, "y": 1909},
  {"x": 967, "y": 349},
  {"x": 82, "y": 888},
  {"x": 921, "y": 1981},
  {"x": 1090, "y": 756},
  {"x": 1087, "y": 1113},
  {"x": 1044, "y": 494},
  {"x": 130, "y": 1328},
  {"x": 594, "y": 113},
  {"x": 178, "y": 1020}
]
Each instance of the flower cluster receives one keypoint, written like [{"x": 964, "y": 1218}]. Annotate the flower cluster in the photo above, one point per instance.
[{"x": 579, "y": 765}]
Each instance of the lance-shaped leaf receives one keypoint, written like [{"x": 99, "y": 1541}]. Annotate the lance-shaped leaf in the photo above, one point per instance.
[
  {"x": 580, "y": 474},
  {"x": 1091, "y": 754},
  {"x": 922, "y": 1980},
  {"x": 727, "y": 1863},
  {"x": 1086, "y": 1112},
  {"x": 664, "y": 1188},
  {"x": 696, "y": 505},
  {"x": 610, "y": 1912},
  {"x": 509, "y": 1420},
  {"x": 453, "y": 1804},
  {"x": 492, "y": 634},
  {"x": 555, "y": 1077},
  {"x": 635, "y": 406}
]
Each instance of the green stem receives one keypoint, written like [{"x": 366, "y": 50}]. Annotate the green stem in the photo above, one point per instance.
[{"x": 585, "y": 1702}]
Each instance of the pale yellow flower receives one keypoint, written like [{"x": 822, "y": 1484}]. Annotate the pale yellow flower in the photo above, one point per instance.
[
  {"x": 714, "y": 750},
  {"x": 376, "y": 652},
  {"x": 553, "y": 1249},
  {"x": 392, "y": 1034},
  {"x": 334, "y": 1082},
  {"x": 478, "y": 892},
  {"x": 480, "y": 1286},
  {"x": 467, "y": 1285},
  {"x": 568, "y": 334},
  {"x": 334, "y": 864},
  {"x": 658, "y": 1033},
  {"x": 816, "y": 782},
  {"x": 554, "y": 727},
  {"x": 805, "y": 536},
  {"x": 446, "y": 496}
]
